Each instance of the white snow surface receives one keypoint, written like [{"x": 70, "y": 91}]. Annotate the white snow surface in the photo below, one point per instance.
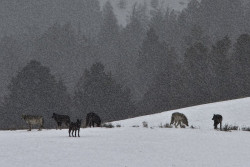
[
  {"x": 138, "y": 147},
  {"x": 234, "y": 112}
]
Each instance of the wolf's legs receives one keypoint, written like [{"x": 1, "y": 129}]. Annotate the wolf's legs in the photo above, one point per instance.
[
  {"x": 179, "y": 123},
  {"x": 175, "y": 124},
  {"x": 215, "y": 125},
  {"x": 29, "y": 127},
  {"x": 59, "y": 124}
]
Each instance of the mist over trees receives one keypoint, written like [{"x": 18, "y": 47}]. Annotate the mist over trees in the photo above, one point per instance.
[{"x": 161, "y": 59}]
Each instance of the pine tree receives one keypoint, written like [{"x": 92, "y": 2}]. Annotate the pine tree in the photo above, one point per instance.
[
  {"x": 109, "y": 29},
  {"x": 130, "y": 43},
  {"x": 167, "y": 89},
  {"x": 221, "y": 66},
  {"x": 11, "y": 58},
  {"x": 108, "y": 42},
  {"x": 92, "y": 18},
  {"x": 35, "y": 91},
  {"x": 151, "y": 58},
  {"x": 155, "y": 4},
  {"x": 98, "y": 92},
  {"x": 198, "y": 74},
  {"x": 242, "y": 65},
  {"x": 222, "y": 17},
  {"x": 122, "y": 4}
]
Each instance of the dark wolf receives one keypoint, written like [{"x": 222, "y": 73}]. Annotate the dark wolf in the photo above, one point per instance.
[
  {"x": 92, "y": 119},
  {"x": 217, "y": 120},
  {"x": 61, "y": 119},
  {"x": 33, "y": 120},
  {"x": 179, "y": 118},
  {"x": 75, "y": 126}
]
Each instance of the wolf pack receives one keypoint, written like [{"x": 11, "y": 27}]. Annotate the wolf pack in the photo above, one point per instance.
[
  {"x": 180, "y": 119},
  {"x": 92, "y": 120}
]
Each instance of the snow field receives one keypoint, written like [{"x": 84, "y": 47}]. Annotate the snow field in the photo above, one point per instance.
[
  {"x": 120, "y": 147},
  {"x": 138, "y": 147},
  {"x": 234, "y": 112}
]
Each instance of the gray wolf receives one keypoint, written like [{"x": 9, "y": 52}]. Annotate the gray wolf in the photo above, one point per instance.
[
  {"x": 73, "y": 127},
  {"x": 33, "y": 120},
  {"x": 179, "y": 118},
  {"x": 93, "y": 119},
  {"x": 61, "y": 119},
  {"x": 217, "y": 120}
]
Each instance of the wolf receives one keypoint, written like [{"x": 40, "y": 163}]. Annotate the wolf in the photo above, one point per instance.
[
  {"x": 92, "y": 119},
  {"x": 179, "y": 118},
  {"x": 61, "y": 119},
  {"x": 217, "y": 120},
  {"x": 75, "y": 127},
  {"x": 33, "y": 120}
]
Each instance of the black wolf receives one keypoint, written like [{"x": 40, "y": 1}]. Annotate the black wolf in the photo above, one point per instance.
[
  {"x": 33, "y": 120},
  {"x": 179, "y": 118},
  {"x": 93, "y": 119},
  {"x": 61, "y": 119},
  {"x": 217, "y": 120},
  {"x": 75, "y": 127}
]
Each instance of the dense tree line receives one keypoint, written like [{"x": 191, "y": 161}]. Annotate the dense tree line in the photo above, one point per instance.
[{"x": 161, "y": 60}]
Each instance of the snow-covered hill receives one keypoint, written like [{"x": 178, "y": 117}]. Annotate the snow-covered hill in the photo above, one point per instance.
[
  {"x": 137, "y": 147},
  {"x": 234, "y": 112}
]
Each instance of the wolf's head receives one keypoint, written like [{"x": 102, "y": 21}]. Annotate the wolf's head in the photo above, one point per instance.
[
  {"x": 213, "y": 117},
  {"x": 53, "y": 116},
  {"x": 23, "y": 116},
  {"x": 185, "y": 121},
  {"x": 79, "y": 122}
]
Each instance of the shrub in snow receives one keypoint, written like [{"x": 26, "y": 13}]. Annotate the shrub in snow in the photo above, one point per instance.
[
  {"x": 193, "y": 127},
  {"x": 118, "y": 125},
  {"x": 167, "y": 125},
  {"x": 145, "y": 124},
  {"x": 108, "y": 125},
  {"x": 135, "y": 126},
  {"x": 245, "y": 128},
  {"x": 230, "y": 127}
]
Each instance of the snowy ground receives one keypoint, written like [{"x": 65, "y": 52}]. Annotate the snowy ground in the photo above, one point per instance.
[
  {"x": 137, "y": 147},
  {"x": 234, "y": 112}
]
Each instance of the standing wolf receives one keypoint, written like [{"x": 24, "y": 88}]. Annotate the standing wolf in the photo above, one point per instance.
[
  {"x": 179, "y": 118},
  {"x": 61, "y": 119},
  {"x": 217, "y": 120},
  {"x": 33, "y": 120},
  {"x": 93, "y": 119},
  {"x": 75, "y": 127}
]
